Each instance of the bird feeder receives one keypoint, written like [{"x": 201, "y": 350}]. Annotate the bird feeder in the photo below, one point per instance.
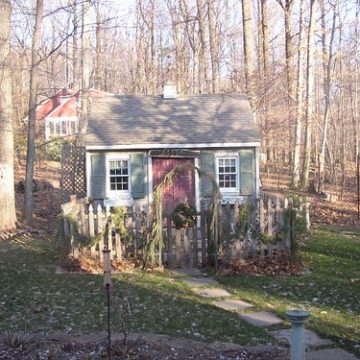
[{"x": 107, "y": 268}]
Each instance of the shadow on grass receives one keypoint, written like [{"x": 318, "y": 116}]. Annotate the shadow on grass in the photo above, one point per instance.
[{"x": 35, "y": 299}]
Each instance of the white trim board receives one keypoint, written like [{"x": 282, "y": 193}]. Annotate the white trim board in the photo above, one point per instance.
[{"x": 172, "y": 146}]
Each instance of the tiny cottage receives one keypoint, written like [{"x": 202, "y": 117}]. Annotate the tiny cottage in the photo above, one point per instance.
[{"x": 133, "y": 141}]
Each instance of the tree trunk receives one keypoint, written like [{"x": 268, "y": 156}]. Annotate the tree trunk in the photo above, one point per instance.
[
  {"x": 309, "y": 95},
  {"x": 248, "y": 37},
  {"x": 299, "y": 98},
  {"x": 213, "y": 36},
  {"x": 34, "y": 74},
  {"x": 327, "y": 86},
  {"x": 7, "y": 195},
  {"x": 289, "y": 54},
  {"x": 98, "y": 50},
  {"x": 203, "y": 75},
  {"x": 75, "y": 65},
  {"x": 85, "y": 71},
  {"x": 265, "y": 56}
]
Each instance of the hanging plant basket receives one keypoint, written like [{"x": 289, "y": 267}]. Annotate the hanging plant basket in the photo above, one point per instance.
[{"x": 184, "y": 215}]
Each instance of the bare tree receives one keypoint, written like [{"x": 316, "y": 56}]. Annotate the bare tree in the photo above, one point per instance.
[
  {"x": 85, "y": 72},
  {"x": 213, "y": 36},
  {"x": 75, "y": 63},
  {"x": 299, "y": 98},
  {"x": 328, "y": 66},
  {"x": 7, "y": 195},
  {"x": 34, "y": 74},
  {"x": 248, "y": 39},
  {"x": 203, "y": 68},
  {"x": 309, "y": 112}
]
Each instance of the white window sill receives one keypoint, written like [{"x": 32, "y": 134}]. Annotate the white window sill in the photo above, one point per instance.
[
  {"x": 119, "y": 199},
  {"x": 229, "y": 191},
  {"x": 232, "y": 199}
]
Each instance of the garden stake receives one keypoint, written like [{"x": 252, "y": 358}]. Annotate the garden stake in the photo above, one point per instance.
[{"x": 297, "y": 319}]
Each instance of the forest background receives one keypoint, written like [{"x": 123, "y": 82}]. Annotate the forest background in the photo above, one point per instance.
[{"x": 297, "y": 60}]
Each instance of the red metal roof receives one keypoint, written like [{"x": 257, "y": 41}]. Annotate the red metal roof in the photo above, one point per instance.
[
  {"x": 66, "y": 108},
  {"x": 62, "y": 104}
]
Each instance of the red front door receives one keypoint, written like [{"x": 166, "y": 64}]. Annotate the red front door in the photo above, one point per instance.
[{"x": 183, "y": 185}]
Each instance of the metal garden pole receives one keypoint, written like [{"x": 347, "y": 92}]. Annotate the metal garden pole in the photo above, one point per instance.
[
  {"x": 107, "y": 282},
  {"x": 297, "y": 319},
  {"x": 358, "y": 185}
]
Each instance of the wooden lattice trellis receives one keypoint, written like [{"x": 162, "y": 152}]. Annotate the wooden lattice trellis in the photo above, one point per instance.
[{"x": 73, "y": 172}]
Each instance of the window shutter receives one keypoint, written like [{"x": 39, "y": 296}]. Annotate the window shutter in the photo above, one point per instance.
[
  {"x": 98, "y": 176},
  {"x": 247, "y": 171},
  {"x": 137, "y": 167},
  {"x": 207, "y": 164}
]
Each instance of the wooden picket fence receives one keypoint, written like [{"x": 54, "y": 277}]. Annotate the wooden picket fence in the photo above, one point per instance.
[{"x": 186, "y": 247}]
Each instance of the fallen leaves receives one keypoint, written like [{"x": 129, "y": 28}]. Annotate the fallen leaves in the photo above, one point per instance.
[
  {"x": 89, "y": 265},
  {"x": 275, "y": 266}
]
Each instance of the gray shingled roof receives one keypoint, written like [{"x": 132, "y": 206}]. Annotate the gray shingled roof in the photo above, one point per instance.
[{"x": 131, "y": 120}]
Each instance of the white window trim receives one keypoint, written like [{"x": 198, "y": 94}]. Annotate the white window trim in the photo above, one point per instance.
[
  {"x": 126, "y": 194},
  {"x": 222, "y": 155}
]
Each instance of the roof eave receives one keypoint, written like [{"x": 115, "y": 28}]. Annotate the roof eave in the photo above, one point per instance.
[{"x": 173, "y": 146}]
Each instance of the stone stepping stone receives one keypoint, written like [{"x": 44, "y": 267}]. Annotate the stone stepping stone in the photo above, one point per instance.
[
  {"x": 198, "y": 282},
  {"x": 261, "y": 319},
  {"x": 187, "y": 272},
  {"x": 330, "y": 354},
  {"x": 311, "y": 339},
  {"x": 212, "y": 293},
  {"x": 231, "y": 305}
]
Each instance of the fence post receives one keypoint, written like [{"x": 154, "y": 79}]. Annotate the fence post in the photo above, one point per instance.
[
  {"x": 186, "y": 247},
  {"x": 203, "y": 233},
  {"x": 195, "y": 245},
  {"x": 169, "y": 241},
  {"x": 66, "y": 227},
  {"x": 177, "y": 246},
  {"x": 279, "y": 214},
  {"x": 109, "y": 234},
  {"x": 270, "y": 217},
  {"x": 261, "y": 216},
  {"x": 307, "y": 216},
  {"x": 83, "y": 220},
  {"x": 100, "y": 225},
  {"x": 289, "y": 237},
  {"x": 91, "y": 222}
]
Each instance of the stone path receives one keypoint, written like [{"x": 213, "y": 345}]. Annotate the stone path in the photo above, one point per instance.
[
  {"x": 311, "y": 339},
  {"x": 261, "y": 319},
  {"x": 233, "y": 305},
  {"x": 212, "y": 293},
  {"x": 208, "y": 287}
]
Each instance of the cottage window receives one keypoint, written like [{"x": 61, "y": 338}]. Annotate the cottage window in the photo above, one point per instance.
[
  {"x": 119, "y": 175},
  {"x": 57, "y": 128},
  {"x": 51, "y": 128},
  {"x": 227, "y": 173},
  {"x": 63, "y": 127},
  {"x": 73, "y": 127}
]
